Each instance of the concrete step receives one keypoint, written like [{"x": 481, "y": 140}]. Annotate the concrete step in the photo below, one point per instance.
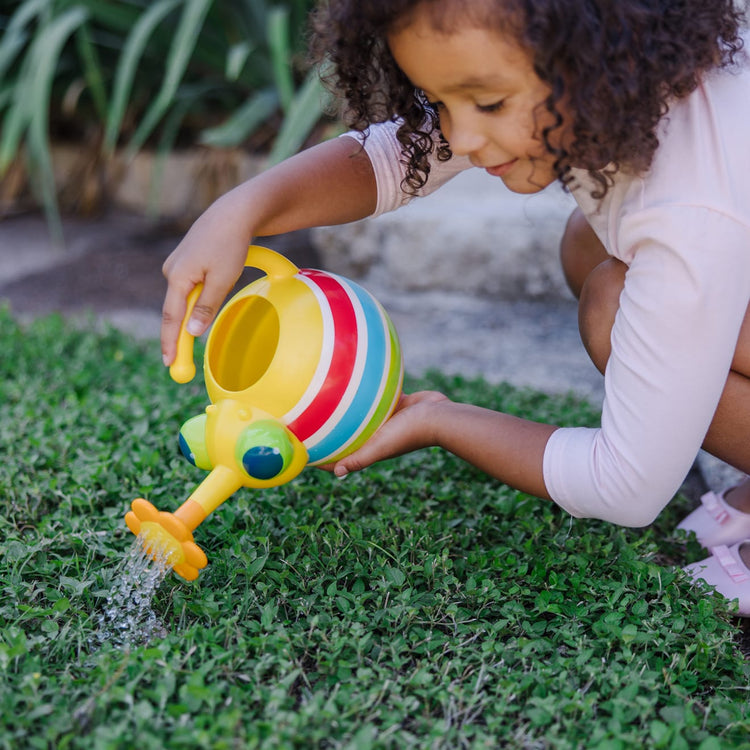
[{"x": 472, "y": 236}]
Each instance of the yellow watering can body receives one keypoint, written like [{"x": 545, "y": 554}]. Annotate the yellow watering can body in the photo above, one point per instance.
[{"x": 302, "y": 367}]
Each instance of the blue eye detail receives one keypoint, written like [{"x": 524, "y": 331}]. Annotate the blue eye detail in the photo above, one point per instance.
[
  {"x": 263, "y": 462},
  {"x": 193, "y": 442},
  {"x": 264, "y": 450},
  {"x": 185, "y": 450}
]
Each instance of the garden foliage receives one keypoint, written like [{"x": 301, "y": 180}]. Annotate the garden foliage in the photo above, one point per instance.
[{"x": 125, "y": 73}]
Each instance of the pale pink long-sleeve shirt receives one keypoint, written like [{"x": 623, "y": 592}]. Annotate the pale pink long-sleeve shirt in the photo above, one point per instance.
[{"x": 683, "y": 230}]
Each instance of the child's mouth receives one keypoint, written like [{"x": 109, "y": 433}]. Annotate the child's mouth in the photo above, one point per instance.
[{"x": 501, "y": 169}]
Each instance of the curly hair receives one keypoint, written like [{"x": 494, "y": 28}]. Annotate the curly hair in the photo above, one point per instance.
[{"x": 617, "y": 63}]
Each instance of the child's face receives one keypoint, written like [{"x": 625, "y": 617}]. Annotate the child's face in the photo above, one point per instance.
[{"x": 488, "y": 97}]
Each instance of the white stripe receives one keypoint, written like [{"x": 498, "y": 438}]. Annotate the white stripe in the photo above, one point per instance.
[
  {"x": 357, "y": 372},
  {"x": 326, "y": 353}
]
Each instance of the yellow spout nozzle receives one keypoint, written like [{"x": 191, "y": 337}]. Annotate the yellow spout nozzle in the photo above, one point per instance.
[
  {"x": 166, "y": 537},
  {"x": 220, "y": 484}
]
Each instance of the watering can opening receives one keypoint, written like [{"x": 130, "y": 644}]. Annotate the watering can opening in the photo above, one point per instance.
[{"x": 243, "y": 343}]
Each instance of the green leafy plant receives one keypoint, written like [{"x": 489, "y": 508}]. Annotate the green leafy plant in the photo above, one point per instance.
[
  {"x": 127, "y": 73},
  {"x": 414, "y": 604}
]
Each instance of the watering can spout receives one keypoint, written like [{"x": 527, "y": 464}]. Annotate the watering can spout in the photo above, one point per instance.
[
  {"x": 168, "y": 536},
  {"x": 221, "y": 483}
]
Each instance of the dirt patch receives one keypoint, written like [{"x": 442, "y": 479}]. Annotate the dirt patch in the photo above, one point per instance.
[{"x": 109, "y": 264}]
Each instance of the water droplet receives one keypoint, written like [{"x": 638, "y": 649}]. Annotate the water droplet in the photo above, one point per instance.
[{"x": 128, "y": 619}]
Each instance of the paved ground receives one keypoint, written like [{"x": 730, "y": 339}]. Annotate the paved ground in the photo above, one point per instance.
[{"x": 110, "y": 267}]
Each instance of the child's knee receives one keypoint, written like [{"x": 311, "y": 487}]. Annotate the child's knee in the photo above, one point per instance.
[
  {"x": 580, "y": 251},
  {"x": 597, "y": 307}
]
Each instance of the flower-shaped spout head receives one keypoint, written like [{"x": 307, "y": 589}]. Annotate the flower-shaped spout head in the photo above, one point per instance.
[{"x": 166, "y": 538}]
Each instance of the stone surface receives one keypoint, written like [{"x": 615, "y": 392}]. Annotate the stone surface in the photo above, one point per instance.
[{"x": 472, "y": 236}]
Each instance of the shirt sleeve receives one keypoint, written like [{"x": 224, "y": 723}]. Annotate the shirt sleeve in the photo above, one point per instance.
[
  {"x": 685, "y": 296},
  {"x": 387, "y": 157}
]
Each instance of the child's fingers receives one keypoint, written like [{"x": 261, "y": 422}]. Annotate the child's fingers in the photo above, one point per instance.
[
  {"x": 387, "y": 442},
  {"x": 207, "y": 305},
  {"x": 173, "y": 312},
  {"x": 215, "y": 289},
  {"x": 353, "y": 462}
]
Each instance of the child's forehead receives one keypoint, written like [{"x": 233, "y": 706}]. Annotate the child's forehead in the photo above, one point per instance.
[{"x": 467, "y": 59}]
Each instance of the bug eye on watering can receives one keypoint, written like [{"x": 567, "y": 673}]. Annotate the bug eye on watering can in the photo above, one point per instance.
[
  {"x": 193, "y": 442},
  {"x": 264, "y": 450}
]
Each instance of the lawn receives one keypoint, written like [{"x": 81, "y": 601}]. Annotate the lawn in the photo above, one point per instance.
[{"x": 417, "y": 604}]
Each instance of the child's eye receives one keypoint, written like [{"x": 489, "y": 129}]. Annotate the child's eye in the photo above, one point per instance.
[{"x": 494, "y": 107}]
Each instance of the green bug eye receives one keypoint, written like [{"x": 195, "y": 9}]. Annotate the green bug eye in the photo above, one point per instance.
[
  {"x": 193, "y": 442},
  {"x": 264, "y": 450}
]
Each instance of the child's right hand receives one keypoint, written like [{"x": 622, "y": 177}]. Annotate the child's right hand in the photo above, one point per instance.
[
  {"x": 331, "y": 183},
  {"x": 212, "y": 253}
]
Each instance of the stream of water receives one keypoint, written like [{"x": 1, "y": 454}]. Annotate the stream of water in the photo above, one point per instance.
[{"x": 128, "y": 618}]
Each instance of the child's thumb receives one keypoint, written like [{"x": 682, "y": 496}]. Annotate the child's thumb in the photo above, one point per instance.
[{"x": 205, "y": 309}]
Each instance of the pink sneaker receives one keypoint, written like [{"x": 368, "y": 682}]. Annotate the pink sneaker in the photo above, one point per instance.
[
  {"x": 728, "y": 573},
  {"x": 715, "y": 522}
]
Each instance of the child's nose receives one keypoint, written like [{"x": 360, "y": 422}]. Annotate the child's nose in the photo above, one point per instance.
[{"x": 464, "y": 136}]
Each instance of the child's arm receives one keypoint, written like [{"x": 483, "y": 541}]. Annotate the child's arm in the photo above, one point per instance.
[
  {"x": 501, "y": 445},
  {"x": 331, "y": 183}
]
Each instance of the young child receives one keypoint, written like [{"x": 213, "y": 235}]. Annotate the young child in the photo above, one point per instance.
[{"x": 640, "y": 108}]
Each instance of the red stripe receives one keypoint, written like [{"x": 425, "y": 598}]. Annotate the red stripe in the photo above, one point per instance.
[{"x": 342, "y": 362}]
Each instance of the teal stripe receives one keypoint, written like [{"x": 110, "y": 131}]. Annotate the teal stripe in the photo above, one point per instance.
[{"x": 352, "y": 421}]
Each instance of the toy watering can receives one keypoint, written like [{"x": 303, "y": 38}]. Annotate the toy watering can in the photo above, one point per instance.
[{"x": 301, "y": 367}]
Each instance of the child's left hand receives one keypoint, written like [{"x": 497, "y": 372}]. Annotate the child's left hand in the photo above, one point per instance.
[{"x": 409, "y": 428}]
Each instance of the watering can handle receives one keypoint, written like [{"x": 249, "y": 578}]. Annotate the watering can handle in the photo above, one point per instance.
[
  {"x": 274, "y": 264},
  {"x": 182, "y": 370}
]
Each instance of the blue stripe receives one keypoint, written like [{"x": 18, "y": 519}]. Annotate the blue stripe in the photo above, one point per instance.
[{"x": 354, "y": 417}]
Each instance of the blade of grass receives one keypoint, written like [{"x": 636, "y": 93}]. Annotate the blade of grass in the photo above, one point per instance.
[
  {"x": 278, "y": 45},
  {"x": 92, "y": 70},
  {"x": 116, "y": 16},
  {"x": 236, "y": 59},
  {"x": 16, "y": 119},
  {"x": 243, "y": 121},
  {"x": 6, "y": 94},
  {"x": 34, "y": 83},
  {"x": 186, "y": 36},
  {"x": 16, "y": 34},
  {"x": 306, "y": 109},
  {"x": 172, "y": 123},
  {"x": 45, "y": 54},
  {"x": 127, "y": 67}
]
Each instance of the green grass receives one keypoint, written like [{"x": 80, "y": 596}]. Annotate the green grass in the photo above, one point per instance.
[{"x": 417, "y": 604}]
